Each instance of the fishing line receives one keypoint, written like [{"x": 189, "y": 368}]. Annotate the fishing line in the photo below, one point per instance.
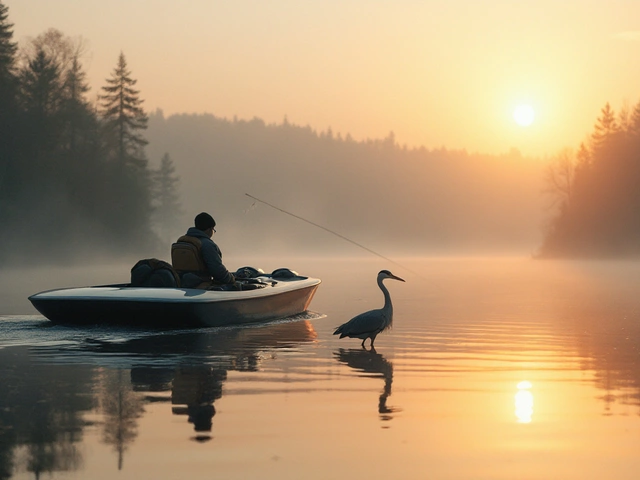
[{"x": 333, "y": 233}]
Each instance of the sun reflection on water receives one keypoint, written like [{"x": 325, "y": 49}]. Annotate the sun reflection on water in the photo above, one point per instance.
[{"x": 524, "y": 402}]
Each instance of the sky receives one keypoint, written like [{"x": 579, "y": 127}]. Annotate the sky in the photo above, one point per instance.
[{"x": 436, "y": 73}]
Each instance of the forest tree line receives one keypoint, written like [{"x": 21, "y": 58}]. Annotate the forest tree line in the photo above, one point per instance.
[
  {"x": 377, "y": 192},
  {"x": 74, "y": 175},
  {"x": 597, "y": 191}
]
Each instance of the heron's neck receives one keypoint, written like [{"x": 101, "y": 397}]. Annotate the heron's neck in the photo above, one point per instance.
[{"x": 387, "y": 297}]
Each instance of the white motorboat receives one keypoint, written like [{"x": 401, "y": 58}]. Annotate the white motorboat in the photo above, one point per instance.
[{"x": 263, "y": 298}]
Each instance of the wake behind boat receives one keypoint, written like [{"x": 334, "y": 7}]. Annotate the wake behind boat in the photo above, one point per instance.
[{"x": 264, "y": 297}]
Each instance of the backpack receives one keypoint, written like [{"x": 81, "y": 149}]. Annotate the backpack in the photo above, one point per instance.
[
  {"x": 151, "y": 272},
  {"x": 186, "y": 255}
]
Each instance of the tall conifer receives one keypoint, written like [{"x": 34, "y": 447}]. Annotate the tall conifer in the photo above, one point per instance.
[
  {"x": 8, "y": 110},
  {"x": 124, "y": 120},
  {"x": 7, "y": 52},
  {"x": 77, "y": 114},
  {"x": 124, "y": 116},
  {"x": 605, "y": 127}
]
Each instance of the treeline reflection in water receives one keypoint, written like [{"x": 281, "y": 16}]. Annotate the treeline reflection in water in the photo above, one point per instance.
[
  {"x": 53, "y": 393},
  {"x": 607, "y": 343}
]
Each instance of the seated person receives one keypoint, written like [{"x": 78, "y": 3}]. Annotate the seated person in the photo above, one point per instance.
[{"x": 197, "y": 259}]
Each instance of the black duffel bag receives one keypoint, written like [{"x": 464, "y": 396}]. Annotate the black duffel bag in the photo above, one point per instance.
[{"x": 151, "y": 272}]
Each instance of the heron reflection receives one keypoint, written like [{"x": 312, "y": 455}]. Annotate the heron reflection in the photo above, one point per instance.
[{"x": 371, "y": 363}]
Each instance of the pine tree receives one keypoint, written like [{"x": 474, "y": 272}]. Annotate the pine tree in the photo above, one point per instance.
[
  {"x": 634, "y": 121},
  {"x": 124, "y": 116},
  {"x": 51, "y": 80},
  {"x": 128, "y": 176},
  {"x": 76, "y": 110},
  {"x": 7, "y": 54},
  {"x": 79, "y": 142},
  {"x": 40, "y": 99},
  {"x": 41, "y": 86},
  {"x": 606, "y": 126},
  {"x": 8, "y": 107}
]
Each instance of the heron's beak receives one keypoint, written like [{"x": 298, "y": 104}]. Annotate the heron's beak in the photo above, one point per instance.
[{"x": 396, "y": 278}]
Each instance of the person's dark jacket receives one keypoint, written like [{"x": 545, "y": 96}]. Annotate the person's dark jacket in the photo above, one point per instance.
[{"x": 212, "y": 257}]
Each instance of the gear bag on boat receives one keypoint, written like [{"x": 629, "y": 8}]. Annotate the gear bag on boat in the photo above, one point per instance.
[{"x": 151, "y": 272}]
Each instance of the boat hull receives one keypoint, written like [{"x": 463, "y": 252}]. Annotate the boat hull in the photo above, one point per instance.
[{"x": 175, "y": 307}]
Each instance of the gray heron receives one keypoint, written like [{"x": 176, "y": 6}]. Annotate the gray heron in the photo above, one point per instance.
[{"x": 370, "y": 324}]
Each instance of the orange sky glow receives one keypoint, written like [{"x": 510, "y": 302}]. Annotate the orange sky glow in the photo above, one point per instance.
[{"x": 435, "y": 73}]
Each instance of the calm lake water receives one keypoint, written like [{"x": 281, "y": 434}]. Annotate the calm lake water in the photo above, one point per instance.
[{"x": 501, "y": 368}]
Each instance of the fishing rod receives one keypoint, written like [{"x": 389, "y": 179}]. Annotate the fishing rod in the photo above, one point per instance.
[{"x": 333, "y": 233}]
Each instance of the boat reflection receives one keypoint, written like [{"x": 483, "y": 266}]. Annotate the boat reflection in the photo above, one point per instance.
[
  {"x": 370, "y": 362},
  {"x": 193, "y": 390},
  {"x": 53, "y": 390},
  {"x": 196, "y": 388}
]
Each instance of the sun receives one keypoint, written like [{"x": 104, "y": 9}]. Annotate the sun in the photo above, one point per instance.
[{"x": 524, "y": 115}]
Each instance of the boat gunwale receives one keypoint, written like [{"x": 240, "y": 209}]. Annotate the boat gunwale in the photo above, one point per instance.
[{"x": 202, "y": 296}]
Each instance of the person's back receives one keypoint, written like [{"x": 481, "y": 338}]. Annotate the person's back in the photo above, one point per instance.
[{"x": 196, "y": 257}]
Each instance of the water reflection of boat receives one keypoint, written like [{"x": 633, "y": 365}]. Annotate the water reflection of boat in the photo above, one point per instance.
[
  {"x": 270, "y": 297},
  {"x": 236, "y": 348},
  {"x": 201, "y": 363},
  {"x": 193, "y": 391},
  {"x": 370, "y": 362},
  {"x": 51, "y": 389}
]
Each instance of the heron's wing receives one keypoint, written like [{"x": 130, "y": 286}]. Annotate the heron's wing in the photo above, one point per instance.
[{"x": 366, "y": 322}]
